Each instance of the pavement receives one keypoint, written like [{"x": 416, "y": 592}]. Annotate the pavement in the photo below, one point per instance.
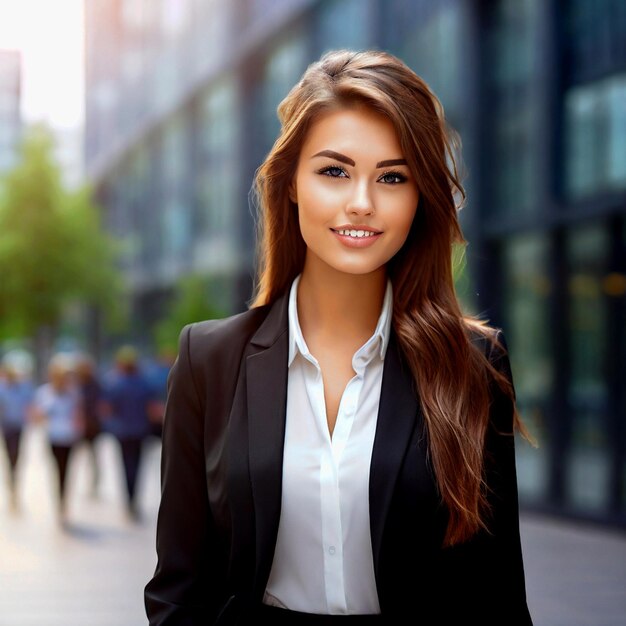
[{"x": 92, "y": 572}]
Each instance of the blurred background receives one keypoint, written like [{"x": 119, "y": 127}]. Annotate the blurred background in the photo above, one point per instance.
[{"x": 130, "y": 131}]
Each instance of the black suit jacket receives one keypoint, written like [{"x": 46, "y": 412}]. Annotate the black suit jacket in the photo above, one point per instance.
[{"x": 221, "y": 474}]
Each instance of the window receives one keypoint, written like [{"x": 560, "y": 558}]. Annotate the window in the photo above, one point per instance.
[
  {"x": 217, "y": 174},
  {"x": 595, "y": 127},
  {"x": 588, "y": 457},
  {"x": 433, "y": 49},
  {"x": 284, "y": 67},
  {"x": 595, "y": 31},
  {"x": 527, "y": 329},
  {"x": 175, "y": 207},
  {"x": 344, "y": 24},
  {"x": 512, "y": 45}
]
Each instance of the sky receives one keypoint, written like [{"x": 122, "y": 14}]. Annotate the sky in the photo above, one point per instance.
[{"x": 49, "y": 35}]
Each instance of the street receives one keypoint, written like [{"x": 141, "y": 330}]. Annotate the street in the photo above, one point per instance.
[{"x": 93, "y": 573}]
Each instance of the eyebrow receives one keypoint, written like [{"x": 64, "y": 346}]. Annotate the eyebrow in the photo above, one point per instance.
[
  {"x": 390, "y": 162},
  {"x": 335, "y": 155},
  {"x": 348, "y": 161}
]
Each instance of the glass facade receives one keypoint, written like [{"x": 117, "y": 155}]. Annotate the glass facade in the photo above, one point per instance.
[
  {"x": 594, "y": 32},
  {"x": 344, "y": 24},
  {"x": 527, "y": 289},
  {"x": 284, "y": 66},
  {"x": 216, "y": 171},
  {"x": 432, "y": 46},
  {"x": 176, "y": 201},
  {"x": 512, "y": 46},
  {"x": 588, "y": 462},
  {"x": 595, "y": 128}
]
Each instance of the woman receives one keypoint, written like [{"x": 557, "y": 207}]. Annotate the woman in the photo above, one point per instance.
[
  {"x": 344, "y": 450},
  {"x": 57, "y": 405}
]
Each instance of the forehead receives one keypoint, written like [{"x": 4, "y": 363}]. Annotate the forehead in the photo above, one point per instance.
[{"x": 353, "y": 131}]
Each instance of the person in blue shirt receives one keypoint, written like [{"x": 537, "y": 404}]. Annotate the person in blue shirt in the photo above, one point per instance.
[
  {"x": 128, "y": 405},
  {"x": 16, "y": 396}
]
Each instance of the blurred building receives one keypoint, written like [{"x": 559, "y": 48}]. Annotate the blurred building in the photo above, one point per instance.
[
  {"x": 10, "y": 117},
  {"x": 68, "y": 152},
  {"x": 181, "y": 108}
]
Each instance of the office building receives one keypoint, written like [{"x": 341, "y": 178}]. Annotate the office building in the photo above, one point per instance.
[
  {"x": 10, "y": 115},
  {"x": 181, "y": 109}
]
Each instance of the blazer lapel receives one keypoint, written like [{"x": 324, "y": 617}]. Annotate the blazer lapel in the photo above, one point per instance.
[
  {"x": 266, "y": 372},
  {"x": 397, "y": 415}
]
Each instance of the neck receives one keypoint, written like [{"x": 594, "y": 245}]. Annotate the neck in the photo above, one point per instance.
[{"x": 334, "y": 303}]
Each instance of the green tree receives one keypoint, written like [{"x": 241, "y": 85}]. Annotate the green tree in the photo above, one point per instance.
[
  {"x": 53, "y": 250},
  {"x": 191, "y": 302}
]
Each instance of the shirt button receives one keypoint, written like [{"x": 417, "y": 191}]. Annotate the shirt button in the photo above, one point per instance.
[{"x": 331, "y": 550}]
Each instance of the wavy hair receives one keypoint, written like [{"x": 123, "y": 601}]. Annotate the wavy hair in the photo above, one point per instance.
[{"x": 449, "y": 368}]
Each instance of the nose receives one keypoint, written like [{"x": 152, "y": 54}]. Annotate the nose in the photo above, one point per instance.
[{"x": 360, "y": 201}]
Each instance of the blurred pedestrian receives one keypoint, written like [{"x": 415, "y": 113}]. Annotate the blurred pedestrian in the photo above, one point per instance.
[
  {"x": 91, "y": 395},
  {"x": 57, "y": 405},
  {"x": 17, "y": 392},
  {"x": 129, "y": 404},
  {"x": 158, "y": 373}
]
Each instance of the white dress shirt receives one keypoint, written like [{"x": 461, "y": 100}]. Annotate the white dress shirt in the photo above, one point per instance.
[{"x": 323, "y": 560}]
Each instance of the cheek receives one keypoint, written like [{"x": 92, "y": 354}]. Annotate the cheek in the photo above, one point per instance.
[
  {"x": 404, "y": 214},
  {"x": 316, "y": 201}
]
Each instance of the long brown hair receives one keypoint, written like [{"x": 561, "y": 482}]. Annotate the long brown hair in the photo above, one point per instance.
[{"x": 450, "y": 370}]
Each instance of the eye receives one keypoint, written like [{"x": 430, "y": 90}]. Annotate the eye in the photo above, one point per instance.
[
  {"x": 392, "y": 178},
  {"x": 334, "y": 171}
]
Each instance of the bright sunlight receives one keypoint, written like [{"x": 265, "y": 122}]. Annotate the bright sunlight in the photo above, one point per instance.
[{"x": 49, "y": 36}]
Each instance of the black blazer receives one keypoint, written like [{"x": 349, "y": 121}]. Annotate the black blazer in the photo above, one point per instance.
[{"x": 221, "y": 472}]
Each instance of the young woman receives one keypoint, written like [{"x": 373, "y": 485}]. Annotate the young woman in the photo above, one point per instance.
[
  {"x": 57, "y": 405},
  {"x": 343, "y": 451}
]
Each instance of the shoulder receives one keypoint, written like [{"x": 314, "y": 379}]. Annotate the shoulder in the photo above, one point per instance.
[
  {"x": 220, "y": 338},
  {"x": 228, "y": 328},
  {"x": 210, "y": 354},
  {"x": 223, "y": 332}
]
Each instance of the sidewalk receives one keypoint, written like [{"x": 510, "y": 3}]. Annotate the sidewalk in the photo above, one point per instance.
[
  {"x": 94, "y": 575},
  {"x": 575, "y": 574}
]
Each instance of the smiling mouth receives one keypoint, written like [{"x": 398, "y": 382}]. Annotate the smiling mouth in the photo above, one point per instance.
[{"x": 356, "y": 233}]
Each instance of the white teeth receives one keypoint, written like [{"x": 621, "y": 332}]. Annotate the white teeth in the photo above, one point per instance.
[{"x": 356, "y": 233}]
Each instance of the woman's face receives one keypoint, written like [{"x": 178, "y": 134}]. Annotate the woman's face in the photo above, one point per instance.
[{"x": 355, "y": 194}]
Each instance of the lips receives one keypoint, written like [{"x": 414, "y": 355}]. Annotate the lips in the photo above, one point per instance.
[
  {"x": 355, "y": 236},
  {"x": 357, "y": 232}
]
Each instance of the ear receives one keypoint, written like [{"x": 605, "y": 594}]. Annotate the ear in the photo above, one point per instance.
[{"x": 293, "y": 195}]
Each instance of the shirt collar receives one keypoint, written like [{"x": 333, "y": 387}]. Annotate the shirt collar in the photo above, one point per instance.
[{"x": 377, "y": 343}]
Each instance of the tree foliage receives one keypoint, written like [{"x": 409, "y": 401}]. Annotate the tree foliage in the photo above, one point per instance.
[
  {"x": 53, "y": 250},
  {"x": 191, "y": 302}
]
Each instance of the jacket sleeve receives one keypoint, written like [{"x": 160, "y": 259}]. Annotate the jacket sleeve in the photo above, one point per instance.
[
  {"x": 490, "y": 566},
  {"x": 185, "y": 588},
  {"x": 503, "y": 543}
]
